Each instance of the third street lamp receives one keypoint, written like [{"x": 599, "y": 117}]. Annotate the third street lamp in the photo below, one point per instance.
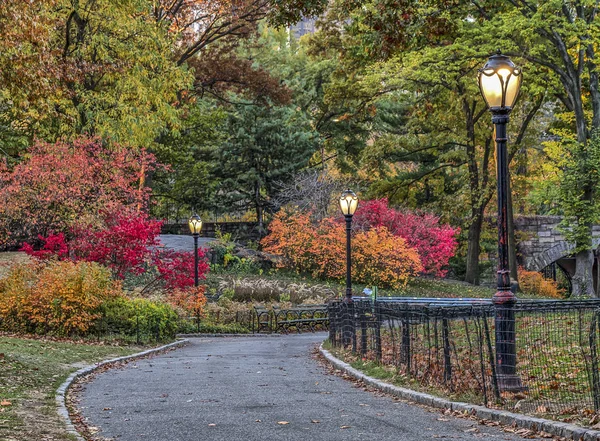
[{"x": 499, "y": 82}]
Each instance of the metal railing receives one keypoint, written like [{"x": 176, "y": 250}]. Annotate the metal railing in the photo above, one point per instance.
[{"x": 449, "y": 345}]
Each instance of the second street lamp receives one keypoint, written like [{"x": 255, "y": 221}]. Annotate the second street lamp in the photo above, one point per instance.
[
  {"x": 499, "y": 82},
  {"x": 348, "y": 204},
  {"x": 195, "y": 224}
]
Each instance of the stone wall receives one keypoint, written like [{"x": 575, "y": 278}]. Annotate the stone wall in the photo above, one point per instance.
[{"x": 543, "y": 242}]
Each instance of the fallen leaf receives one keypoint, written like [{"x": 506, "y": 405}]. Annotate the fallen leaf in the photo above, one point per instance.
[
  {"x": 345, "y": 427},
  {"x": 315, "y": 421},
  {"x": 107, "y": 408},
  {"x": 283, "y": 423},
  {"x": 5, "y": 403},
  {"x": 258, "y": 421},
  {"x": 212, "y": 425}
]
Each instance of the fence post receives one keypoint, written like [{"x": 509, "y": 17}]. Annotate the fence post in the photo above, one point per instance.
[
  {"x": 447, "y": 359},
  {"x": 352, "y": 317},
  {"x": 378, "y": 353},
  {"x": 137, "y": 326},
  {"x": 491, "y": 356},
  {"x": 363, "y": 331},
  {"x": 595, "y": 381},
  {"x": 331, "y": 315},
  {"x": 405, "y": 345}
]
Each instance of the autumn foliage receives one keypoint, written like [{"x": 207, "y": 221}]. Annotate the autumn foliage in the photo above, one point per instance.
[
  {"x": 127, "y": 245},
  {"x": 58, "y": 297},
  {"x": 63, "y": 186},
  {"x": 534, "y": 283},
  {"x": 435, "y": 242},
  {"x": 380, "y": 258}
]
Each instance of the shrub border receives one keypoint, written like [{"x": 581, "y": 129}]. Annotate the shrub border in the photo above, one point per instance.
[
  {"x": 568, "y": 431},
  {"x": 63, "y": 390}
]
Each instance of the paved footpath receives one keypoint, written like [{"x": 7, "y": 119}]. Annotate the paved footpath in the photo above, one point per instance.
[{"x": 240, "y": 389}]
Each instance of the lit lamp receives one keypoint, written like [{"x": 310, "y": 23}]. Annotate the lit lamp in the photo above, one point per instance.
[
  {"x": 348, "y": 205},
  {"x": 195, "y": 224},
  {"x": 499, "y": 82}
]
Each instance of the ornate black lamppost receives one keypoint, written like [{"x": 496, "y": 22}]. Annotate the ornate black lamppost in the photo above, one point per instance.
[
  {"x": 499, "y": 82},
  {"x": 348, "y": 204},
  {"x": 195, "y": 224}
]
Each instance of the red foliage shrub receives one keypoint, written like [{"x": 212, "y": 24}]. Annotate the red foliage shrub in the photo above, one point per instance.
[
  {"x": 176, "y": 268},
  {"x": 435, "y": 242},
  {"x": 126, "y": 245},
  {"x": 123, "y": 244},
  {"x": 58, "y": 185},
  {"x": 54, "y": 246}
]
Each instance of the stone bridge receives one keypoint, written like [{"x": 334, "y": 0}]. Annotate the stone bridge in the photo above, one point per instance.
[{"x": 540, "y": 243}]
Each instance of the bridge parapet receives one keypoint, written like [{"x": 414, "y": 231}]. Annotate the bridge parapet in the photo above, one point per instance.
[{"x": 544, "y": 243}]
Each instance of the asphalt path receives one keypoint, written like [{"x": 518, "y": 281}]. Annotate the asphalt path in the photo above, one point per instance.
[
  {"x": 255, "y": 389},
  {"x": 182, "y": 242}
]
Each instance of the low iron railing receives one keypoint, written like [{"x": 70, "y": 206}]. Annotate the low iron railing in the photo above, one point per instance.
[{"x": 449, "y": 345}]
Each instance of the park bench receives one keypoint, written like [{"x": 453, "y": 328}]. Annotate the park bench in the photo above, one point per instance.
[
  {"x": 301, "y": 317},
  {"x": 262, "y": 319},
  {"x": 309, "y": 317}
]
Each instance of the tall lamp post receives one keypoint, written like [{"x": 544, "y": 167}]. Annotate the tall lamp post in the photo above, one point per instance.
[
  {"x": 195, "y": 224},
  {"x": 348, "y": 205},
  {"x": 499, "y": 82}
]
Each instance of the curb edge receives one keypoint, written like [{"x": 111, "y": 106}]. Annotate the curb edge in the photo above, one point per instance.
[
  {"x": 565, "y": 430},
  {"x": 61, "y": 392}
]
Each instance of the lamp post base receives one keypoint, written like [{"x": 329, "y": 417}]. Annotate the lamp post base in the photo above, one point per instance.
[{"x": 510, "y": 383}]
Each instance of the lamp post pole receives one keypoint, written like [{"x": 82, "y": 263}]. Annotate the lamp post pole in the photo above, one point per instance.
[
  {"x": 499, "y": 82},
  {"x": 348, "y": 204},
  {"x": 348, "y": 298},
  {"x": 196, "y": 259},
  {"x": 195, "y": 224},
  {"x": 504, "y": 299}
]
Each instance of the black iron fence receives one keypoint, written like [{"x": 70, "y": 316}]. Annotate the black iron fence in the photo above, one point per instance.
[{"x": 547, "y": 362}]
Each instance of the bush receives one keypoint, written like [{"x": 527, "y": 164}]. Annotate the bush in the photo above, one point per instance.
[
  {"x": 138, "y": 317},
  {"x": 436, "y": 243},
  {"x": 62, "y": 298},
  {"x": 533, "y": 283},
  {"x": 59, "y": 185},
  {"x": 127, "y": 245},
  {"x": 380, "y": 258}
]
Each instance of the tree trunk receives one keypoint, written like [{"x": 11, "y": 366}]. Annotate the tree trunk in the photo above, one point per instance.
[
  {"x": 512, "y": 246},
  {"x": 473, "y": 248},
  {"x": 583, "y": 282},
  {"x": 259, "y": 214}
]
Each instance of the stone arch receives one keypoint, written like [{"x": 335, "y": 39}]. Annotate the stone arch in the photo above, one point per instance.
[{"x": 558, "y": 251}]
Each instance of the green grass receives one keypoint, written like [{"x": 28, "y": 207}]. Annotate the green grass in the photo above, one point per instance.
[{"x": 30, "y": 372}]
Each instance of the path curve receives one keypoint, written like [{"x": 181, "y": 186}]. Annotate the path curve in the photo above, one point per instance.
[{"x": 243, "y": 389}]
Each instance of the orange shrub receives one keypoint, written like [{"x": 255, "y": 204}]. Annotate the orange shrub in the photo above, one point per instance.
[
  {"x": 532, "y": 282},
  {"x": 382, "y": 259},
  {"x": 379, "y": 257},
  {"x": 291, "y": 236},
  {"x": 192, "y": 300},
  {"x": 61, "y": 297},
  {"x": 328, "y": 250}
]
